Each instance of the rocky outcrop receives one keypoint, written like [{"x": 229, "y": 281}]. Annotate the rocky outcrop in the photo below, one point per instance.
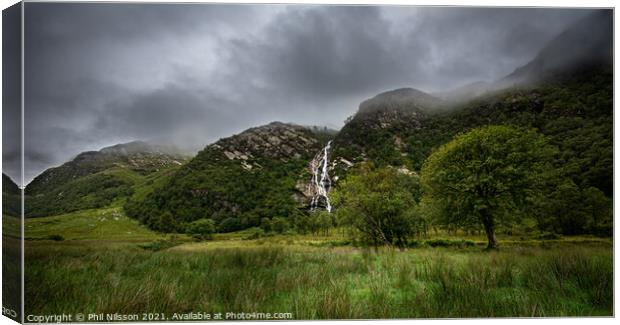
[
  {"x": 239, "y": 180},
  {"x": 384, "y": 120},
  {"x": 277, "y": 140}
]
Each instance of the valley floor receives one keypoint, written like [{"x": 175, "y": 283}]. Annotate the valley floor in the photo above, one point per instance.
[{"x": 310, "y": 277}]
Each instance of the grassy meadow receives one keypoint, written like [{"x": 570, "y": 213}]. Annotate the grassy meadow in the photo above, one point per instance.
[
  {"x": 99, "y": 261},
  {"x": 107, "y": 224}
]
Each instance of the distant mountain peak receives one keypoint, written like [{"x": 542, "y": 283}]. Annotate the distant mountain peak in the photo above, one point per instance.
[
  {"x": 401, "y": 99},
  {"x": 386, "y": 113},
  {"x": 402, "y": 92},
  {"x": 136, "y": 145},
  {"x": 138, "y": 156},
  {"x": 274, "y": 126},
  {"x": 586, "y": 43},
  {"x": 139, "y": 146}
]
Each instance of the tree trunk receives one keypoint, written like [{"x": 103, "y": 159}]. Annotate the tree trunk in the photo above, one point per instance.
[
  {"x": 489, "y": 228},
  {"x": 388, "y": 238}
]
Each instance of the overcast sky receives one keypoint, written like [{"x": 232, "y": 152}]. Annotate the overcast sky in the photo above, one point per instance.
[{"x": 101, "y": 74}]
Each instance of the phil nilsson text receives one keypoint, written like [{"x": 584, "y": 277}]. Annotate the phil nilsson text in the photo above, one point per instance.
[{"x": 191, "y": 316}]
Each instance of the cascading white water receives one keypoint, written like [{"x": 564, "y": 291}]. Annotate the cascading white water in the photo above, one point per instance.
[{"x": 322, "y": 182}]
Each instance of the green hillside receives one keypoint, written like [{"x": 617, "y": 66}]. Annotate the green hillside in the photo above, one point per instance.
[
  {"x": 99, "y": 178},
  {"x": 99, "y": 224},
  {"x": 236, "y": 181},
  {"x": 140, "y": 157}
]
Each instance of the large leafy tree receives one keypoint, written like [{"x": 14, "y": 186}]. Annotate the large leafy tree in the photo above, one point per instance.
[
  {"x": 489, "y": 175},
  {"x": 380, "y": 204}
]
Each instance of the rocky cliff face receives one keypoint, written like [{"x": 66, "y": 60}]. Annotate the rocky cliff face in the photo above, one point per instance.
[
  {"x": 236, "y": 181},
  {"x": 378, "y": 130},
  {"x": 285, "y": 143},
  {"x": 276, "y": 140}
]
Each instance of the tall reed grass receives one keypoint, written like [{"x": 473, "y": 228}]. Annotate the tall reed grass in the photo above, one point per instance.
[{"x": 321, "y": 283}]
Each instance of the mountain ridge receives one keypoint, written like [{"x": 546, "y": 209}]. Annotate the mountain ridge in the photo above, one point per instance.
[
  {"x": 95, "y": 179},
  {"x": 406, "y": 98},
  {"x": 139, "y": 156},
  {"x": 588, "y": 42}
]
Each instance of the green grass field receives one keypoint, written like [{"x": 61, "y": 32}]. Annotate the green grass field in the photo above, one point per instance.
[
  {"x": 108, "y": 263},
  {"x": 97, "y": 224}
]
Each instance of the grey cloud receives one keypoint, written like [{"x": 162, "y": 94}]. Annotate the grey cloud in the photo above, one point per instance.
[{"x": 328, "y": 51}]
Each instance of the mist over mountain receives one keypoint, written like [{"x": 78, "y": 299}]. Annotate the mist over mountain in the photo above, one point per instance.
[
  {"x": 587, "y": 43},
  {"x": 399, "y": 99},
  {"x": 137, "y": 156},
  {"x": 97, "y": 178},
  {"x": 465, "y": 92}
]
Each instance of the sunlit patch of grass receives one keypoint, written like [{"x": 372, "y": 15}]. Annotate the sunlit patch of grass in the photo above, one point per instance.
[{"x": 96, "y": 224}]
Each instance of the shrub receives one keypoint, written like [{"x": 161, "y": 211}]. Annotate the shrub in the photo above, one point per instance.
[
  {"x": 201, "y": 229},
  {"x": 229, "y": 225},
  {"x": 279, "y": 225},
  {"x": 450, "y": 243},
  {"x": 255, "y": 233},
  {"x": 380, "y": 204}
]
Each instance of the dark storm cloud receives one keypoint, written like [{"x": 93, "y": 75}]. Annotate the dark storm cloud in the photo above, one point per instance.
[
  {"x": 327, "y": 51},
  {"x": 99, "y": 74}
]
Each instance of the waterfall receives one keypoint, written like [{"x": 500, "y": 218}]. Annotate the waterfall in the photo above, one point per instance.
[{"x": 320, "y": 178}]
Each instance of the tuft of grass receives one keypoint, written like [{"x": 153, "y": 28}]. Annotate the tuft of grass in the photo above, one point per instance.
[
  {"x": 56, "y": 237},
  {"x": 460, "y": 243},
  {"x": 160, "y": 244},
  {"x": 548, "y": 236}
]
